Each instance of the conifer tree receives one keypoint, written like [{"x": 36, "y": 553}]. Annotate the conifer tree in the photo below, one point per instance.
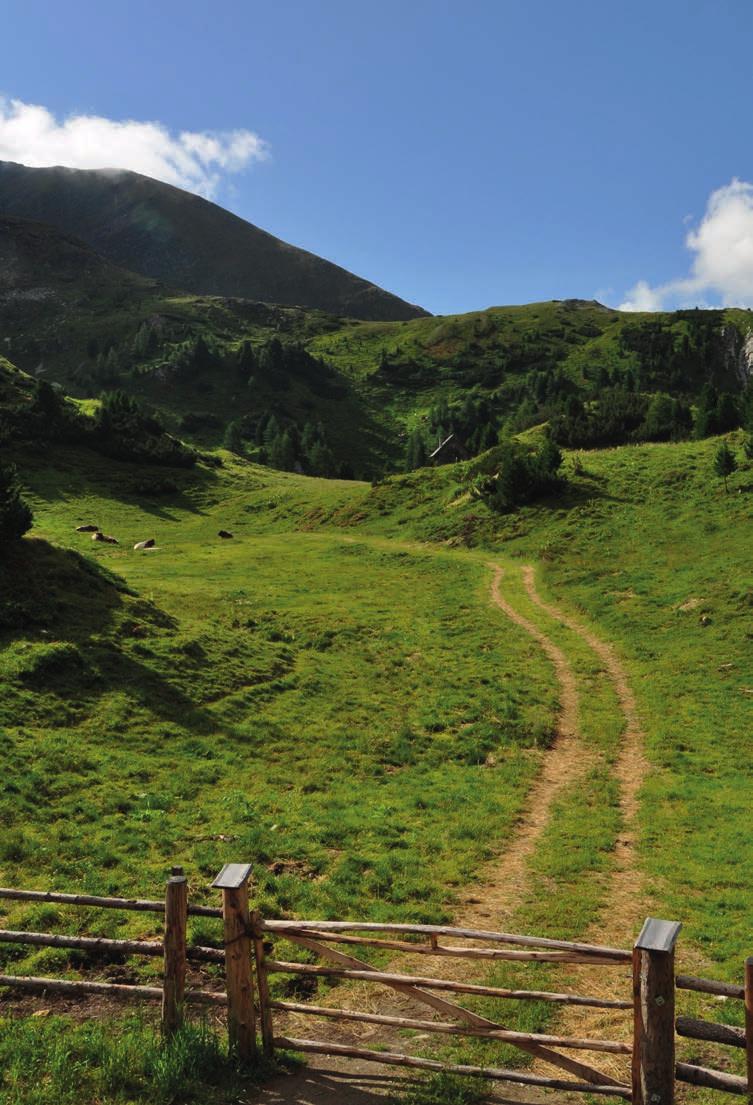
[
  {"x": 15, "y": 515},
  {"x": 725, "y": 463},
  {"x": 233, "y": 439}
]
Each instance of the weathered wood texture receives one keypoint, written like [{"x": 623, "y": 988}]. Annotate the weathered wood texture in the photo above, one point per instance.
[
  {"x": 262, "y": 982},
  {"x": 502, "y": 1034},
  {"x": 713, "y": 1079},
  {"x": 602, "y": 952},
  {"x": 749, "y": 1026},
  {"x": 174, "y": 978},
  {"x": 696, "y": 1029},
  {"x": 143, "y": 906},
  {"x": 281, "y": 967},
  {"x": 238, "y": 980},
  {"x": 521, "y": 1078},
  {"x": 103, "y": 945},
  {"x": 654, "y": 1017},
  {"x": 709, "y": 986},
  {"x": 114, "y": 990}
]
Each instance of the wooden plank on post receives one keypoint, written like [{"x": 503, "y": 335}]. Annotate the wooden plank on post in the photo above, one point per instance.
[
  {"x": 749, "y": 1025},
  {"x": 241, "y": 1022},
  {"x": 174, "y": 980},
  {"x": 654, "y": 1013},
  {"x": 262, "y": 982}
]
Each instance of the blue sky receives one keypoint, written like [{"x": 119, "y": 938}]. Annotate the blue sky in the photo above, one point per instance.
[{"x": 461, "y": 154}]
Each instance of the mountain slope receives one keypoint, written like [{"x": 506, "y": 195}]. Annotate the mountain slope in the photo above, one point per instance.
[{"x": 187, "y": 242}]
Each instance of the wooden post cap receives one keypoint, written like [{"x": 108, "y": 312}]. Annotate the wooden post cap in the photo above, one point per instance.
[
  {"x": 657, "y": 935},
  {"x": 232, "y": 876}
]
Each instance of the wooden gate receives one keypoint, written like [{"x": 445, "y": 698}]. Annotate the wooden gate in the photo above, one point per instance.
[{"x": 246, "y": 941}]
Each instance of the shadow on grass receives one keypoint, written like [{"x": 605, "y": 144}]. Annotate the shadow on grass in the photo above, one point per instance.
[
  {"x": 77, "y": 473},
  {"x": 82, "y": 629}
]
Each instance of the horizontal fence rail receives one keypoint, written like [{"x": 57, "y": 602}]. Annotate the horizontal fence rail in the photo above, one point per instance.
[
  {"x": 521, "y": 1078},
  {"x": 101, "y": 903},
  {"x": 102, "y": 944},
  {"x": 115, "y": 990},
  {"x": 502, "y": 1034},
  {"x": 709, "y": 986},
  {"x": 280, "y": 967},
  {"x": 285, "y": 927}
]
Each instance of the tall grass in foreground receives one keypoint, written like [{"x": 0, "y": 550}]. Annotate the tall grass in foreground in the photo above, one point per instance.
[{"x": 112, "y": 1062}]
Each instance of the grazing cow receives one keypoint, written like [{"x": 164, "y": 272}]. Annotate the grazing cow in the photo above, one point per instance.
[
  {"x": 224, "y": 533},
  {"x": 149, "y": 544},
  {"x": 99, "y": 536},
  {"x": 87, "y": 529}
]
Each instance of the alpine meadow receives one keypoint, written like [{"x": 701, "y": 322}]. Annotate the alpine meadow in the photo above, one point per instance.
[{"x": 375, "y": 684}]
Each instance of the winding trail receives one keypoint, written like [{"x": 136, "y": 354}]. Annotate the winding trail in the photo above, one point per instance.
[
  {"x": 626, "y": 897},
  {"x": 507, "y": 879}
]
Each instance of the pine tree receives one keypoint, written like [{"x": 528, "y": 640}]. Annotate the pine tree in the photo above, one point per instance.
[
  {"x": 281, "y": 452},
  {"x": 416, "y": 451},
  {"x": 15, "y": 515},
  {"x": 725, "y": 463},
  {"x": 233, "y": 439}
]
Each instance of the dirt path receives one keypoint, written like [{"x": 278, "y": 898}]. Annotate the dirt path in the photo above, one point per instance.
[
  {"x": 506, "y": 879},
  {"x": 489, "y": 904},
  {"x": 626, "y": 896}
]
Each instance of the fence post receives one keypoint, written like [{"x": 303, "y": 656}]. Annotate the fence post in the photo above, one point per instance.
[
  {"x": 749, "y": 1025},
  {"x": 654, "y": 1013},
  {"x": 174, "y": 980},
  {"x": 265, "y": 1013},
  {"x": 241, "y": 1022}
]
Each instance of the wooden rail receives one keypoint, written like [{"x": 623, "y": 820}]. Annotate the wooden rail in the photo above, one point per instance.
[
  {"x": 712, "y": 1079},
  {"x": 501, "y": 1034},
  {"x": 101, "y": 944},
  {"x": 275, "y": 966},
  {"x": 283, "y": 927},
  {"x": 710, "y": 1030},
  {"x": 521, "y": 1078},
  {"x": 456, "y": 950},
  {"x": 709, "y": 986},
  {"x": 104, "y": 989},
  {"x": 142, "y": 906}
]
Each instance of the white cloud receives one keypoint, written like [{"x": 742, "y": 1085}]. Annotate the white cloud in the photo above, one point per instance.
[
  {"x": 31, "y": 134},
  {"x": 722, "y": 266}
]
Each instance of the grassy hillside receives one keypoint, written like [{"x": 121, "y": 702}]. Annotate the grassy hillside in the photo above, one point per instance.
[
  {"x": 200, "y": 703},
  {"x": 187, "y": 242},
  {"x": 206, "y": 362}
]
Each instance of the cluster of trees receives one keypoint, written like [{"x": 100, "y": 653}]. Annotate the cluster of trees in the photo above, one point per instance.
[
  {"x": 620, "y": 416},
  {"x": 122, "y": 427},
  {"x": 524, "y": 475},
  {"x": 126, "y": 430},
  {"x": 676, "y": 353},
  {"x": 283, "y": 444},
  {"x": 474, "y": 421}
]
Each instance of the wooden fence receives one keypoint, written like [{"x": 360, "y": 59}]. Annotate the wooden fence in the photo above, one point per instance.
[{"x": 248, "y": 938}]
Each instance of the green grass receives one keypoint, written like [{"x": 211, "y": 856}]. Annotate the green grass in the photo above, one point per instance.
[
  {"x": 331, "y": 696},
  {"x": 115, "y": 1061},
  {"x": 324, "y": 707}
]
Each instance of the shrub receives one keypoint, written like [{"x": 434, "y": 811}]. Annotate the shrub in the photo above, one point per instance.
[{"x": 522, "y": 477}]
